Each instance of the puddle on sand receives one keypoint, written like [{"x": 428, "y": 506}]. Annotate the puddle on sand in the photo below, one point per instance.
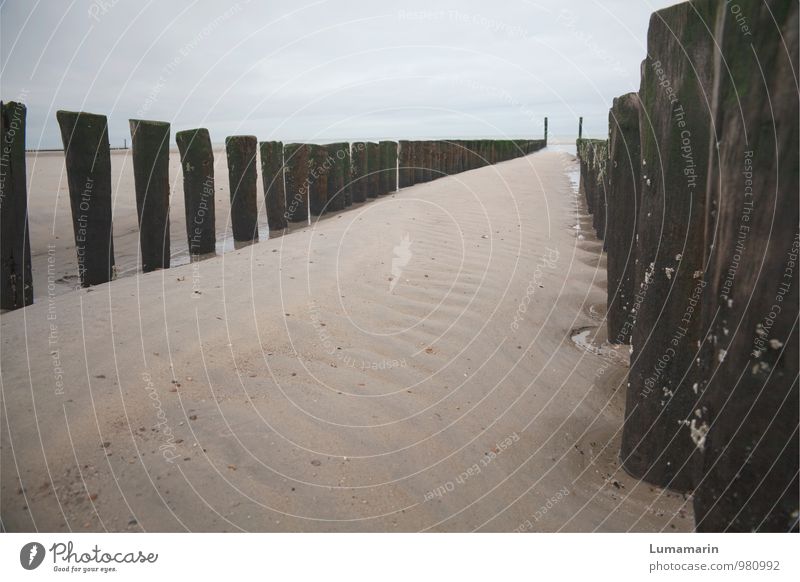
[{"x": 585, "y": 338}]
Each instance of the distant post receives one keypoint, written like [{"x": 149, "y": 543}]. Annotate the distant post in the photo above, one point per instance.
[
  {"x": 241, "y": 151},
  {"x": 373, "y": 160},
  {"x": 297, "y": 184},
  {"x": 272, "y": 178},
  {"x": 417, "y": 152},
  {"x": 580, "y": 127},
  {"x": 545, "y": 131},
  {"x": 347, "y": 173},
  {"x": 197, "y": 162},
  {"x": 318, "y": 179},
  {"x": 359, "y": 171},
  {"x": 150, "y": 148},
  {"x": 337, "y": 156},
  {"x": 88, "y": 160},
  {"x": 16, "y": 285}
]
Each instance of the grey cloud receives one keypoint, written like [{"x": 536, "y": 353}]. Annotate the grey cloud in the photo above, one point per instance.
[{"x": 324, "y": 69}]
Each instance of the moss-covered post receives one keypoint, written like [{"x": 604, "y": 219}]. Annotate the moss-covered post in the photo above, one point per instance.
[
  {"x": 384, "y": 177},
  {"x": 337, "y": 154},
  {"x": 405, "y": 163},
  {"x": 88, "y": 160},
  {"x": 746, "y": 422},
  {"x": 318, "y": 166},
  {"x": 297, "y": 181},
  {"x": 418, "y": 148},
  {"x": 150, "y": 142},
  {"x": 241, "y": 152},
  {"x": 677, "y": 79},
  {"x": 623, "y": 201},
  {"x": 347, "y": 172},
  {"x": 427, "y": 168},
  {"x": 16, "y": 284},
  {"x": 374, "y": 161},
  {"x": 392, "y": 166},
  {"x": 272, "y": 179},
  {"x": 197, "y": 163},
  {"x": 360, "y": 171},
  {"x": 599, "y": 172}
]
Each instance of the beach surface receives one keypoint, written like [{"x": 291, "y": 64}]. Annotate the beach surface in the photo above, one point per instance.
[{"x": 428, "y": 361}]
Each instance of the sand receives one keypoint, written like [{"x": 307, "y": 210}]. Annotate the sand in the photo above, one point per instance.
[
  {"x": 50, "y": 220},
  {"x": 405, "y": 365}
]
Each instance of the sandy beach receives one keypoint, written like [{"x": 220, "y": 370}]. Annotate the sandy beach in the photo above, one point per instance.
[
  {"x": 429, "y": 361},
  {"x": 50, "y": 220}
]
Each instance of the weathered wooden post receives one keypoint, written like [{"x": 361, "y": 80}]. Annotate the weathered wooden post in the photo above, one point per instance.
[
  {"x": 418, "y": 148},
  {"x": 624, "y": 161},
  {"x": 197, "y": 163},
  {"x": 297, "y": 182},
  {"x": 585, "y": 150},
  {"x": 241, "y": 152},
  {"x": 272, "y": 179},
  {"x": 384, "y": 179},
  {"x": 600, "y": 186},
  {"x": 150, "y": 142},
  {"x": 16, "y": 283},
  {"x": 393, "y": 177},
  {"x": 746, "y": 422},
  {"x": 404, "y": 163},
  {"x": 427, "y": 165},
  {"x": 675, "y": 126},
  {"x": 436, "y": 160},
  {"x": 360, "y": 171},
  {"x": 347, "y": 173},
  {"x": 88, "y": 160},
  {"x": 392, "y": 166},
  {"x": 374, "y": 161},
  {"x": 336, "y": 175},
  {"x": 318, "y": 166}
]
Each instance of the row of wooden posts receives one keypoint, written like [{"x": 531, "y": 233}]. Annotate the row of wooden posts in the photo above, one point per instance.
[
  {"x": 299, "y": 179},
  {"x": 697, "y": 206}
]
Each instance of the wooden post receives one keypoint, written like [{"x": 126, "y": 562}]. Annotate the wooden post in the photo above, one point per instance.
[
  {"x": 747, "y": 417},
  {"x": 337, "y": 154},
  {"x": 404, "y": 163},
  {"x": 389, "y": 166},
  {"x": 319, "y": 165},
  {"x": 623, "y": 200},
  {"x": 16, "y": 284},
  {"x": 373, "y": 156},
  {"x": 347, "y": 176},
  {"x": 297, "y": 182},
  {"x": 197, "y": 163},
  {"x": 427, "y": 161},
  {"x": 88, "y": 160},
  {"x": 545, "y": 131},
  {"x": 359, "y": 171},
  {"x": 657, "y": 444},
  {"x": 150, "y": 141},
  {"x": 580, "y": 127},
  {"x": 241, "y": 152},
  {"x": 272, "y": 179}
]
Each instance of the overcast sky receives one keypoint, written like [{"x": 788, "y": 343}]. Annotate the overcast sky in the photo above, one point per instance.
[{"x": 322, "y": 70}]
